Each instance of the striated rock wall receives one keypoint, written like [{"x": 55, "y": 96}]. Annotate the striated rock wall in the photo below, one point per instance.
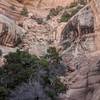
[
  {"x": 84, "y": 82},
  {"x": 46, "y": 3},
  {"x": 95, "y": 5},
  {"x": 78, "y": 34},
  {"x": 38, "y": 37},
  {"x": 9, "y": 31},
  {"x": 77, "y": 31},
  {"x": 82, "y": 31}
]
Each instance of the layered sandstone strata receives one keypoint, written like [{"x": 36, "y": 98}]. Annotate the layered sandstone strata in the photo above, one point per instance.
[
  {"x": 85, "y": 81},
  {"x": 95, "y": 5},
  {"x": 46, "y": 3}
]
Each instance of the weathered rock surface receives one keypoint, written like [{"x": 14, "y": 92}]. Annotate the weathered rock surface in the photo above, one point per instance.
[
  {"x": 46, "y": 3},
  {"x": 44, "y": 33},
  {"x": 38, "y": 36},
  {"x": 81, "y": 35},
  {"x": 78, "y": 34},
  {"x": 9, "y": 31},
  {"x": 84, "y": 83}
]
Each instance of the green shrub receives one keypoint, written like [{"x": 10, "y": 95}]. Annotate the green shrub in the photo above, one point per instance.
[
  {"x": 59, "y": 8},
  {"x": 65, "y": 17},
  {"x": 59, "y": 86},
  {"x": 53, "y": 55},
  {"x": 56, "y": 88},
  {"x": 3, "y": 93},
  {"x": 54, "y": 12},
  {"x": 24, "y": 12},
  {"x": 73, "y": 12},
  {"x": 20, "y": 67},
  {"x": 39, "y": 20}
]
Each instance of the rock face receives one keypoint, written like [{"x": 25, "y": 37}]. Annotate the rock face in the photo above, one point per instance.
[
  {"x": 46, "y": 3},
  {"x": 38, "y": 36},
  {"x": 85, "y": 81},
  {"x": 79, "y": 31},
  {"x": 9, "y": 31},
  {"x": 80, "y": 34}
]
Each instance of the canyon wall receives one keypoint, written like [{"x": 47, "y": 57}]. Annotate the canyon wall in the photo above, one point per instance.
[
  {"x": 78, "y": 29},
  {"x": 95, "y": 5},
  {"x": 46, "y": 3},
  {"x": 84, "y": 82},
  {"x": 80, "y": 34},
  {"x": 83, "y": 30}
]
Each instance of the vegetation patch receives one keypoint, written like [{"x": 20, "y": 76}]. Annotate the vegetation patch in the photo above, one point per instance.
[
  {"x": 21, "y": 67},
  {"x": 54, "y": 12},
  {"x": 24, "y": 12},
  {"x": 68, "y": 14}
]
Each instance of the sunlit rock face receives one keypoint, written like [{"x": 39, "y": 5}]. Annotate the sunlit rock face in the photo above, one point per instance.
[
  {"x": 46, "y": 3},
  {"x": 85, "y": 80},
  {"x": 37, "y": 39},
  {"x": 9, "y": 31},
  {"x": 82, "y": 33},
  {"x": 75, "y": 32},
  {"x": 95, "y": 5},
  {"x": 78, "y": 33}
]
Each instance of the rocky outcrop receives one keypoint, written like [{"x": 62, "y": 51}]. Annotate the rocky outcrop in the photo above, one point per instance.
[
  {"x": 10, "y": 9},
  {"x": 38, "y": 37},
  {"x": 9, "y": 31},
  {"x": 81, "y": 34},
  {"x": 84, "y": 82},
  {"x": 95, "y": 5},
  {"x": 79, "y": 30},
  {"x": 46, "y": 3}
]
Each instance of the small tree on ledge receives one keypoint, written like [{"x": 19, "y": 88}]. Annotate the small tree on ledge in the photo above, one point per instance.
[{"x": 53, "y": 55}]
